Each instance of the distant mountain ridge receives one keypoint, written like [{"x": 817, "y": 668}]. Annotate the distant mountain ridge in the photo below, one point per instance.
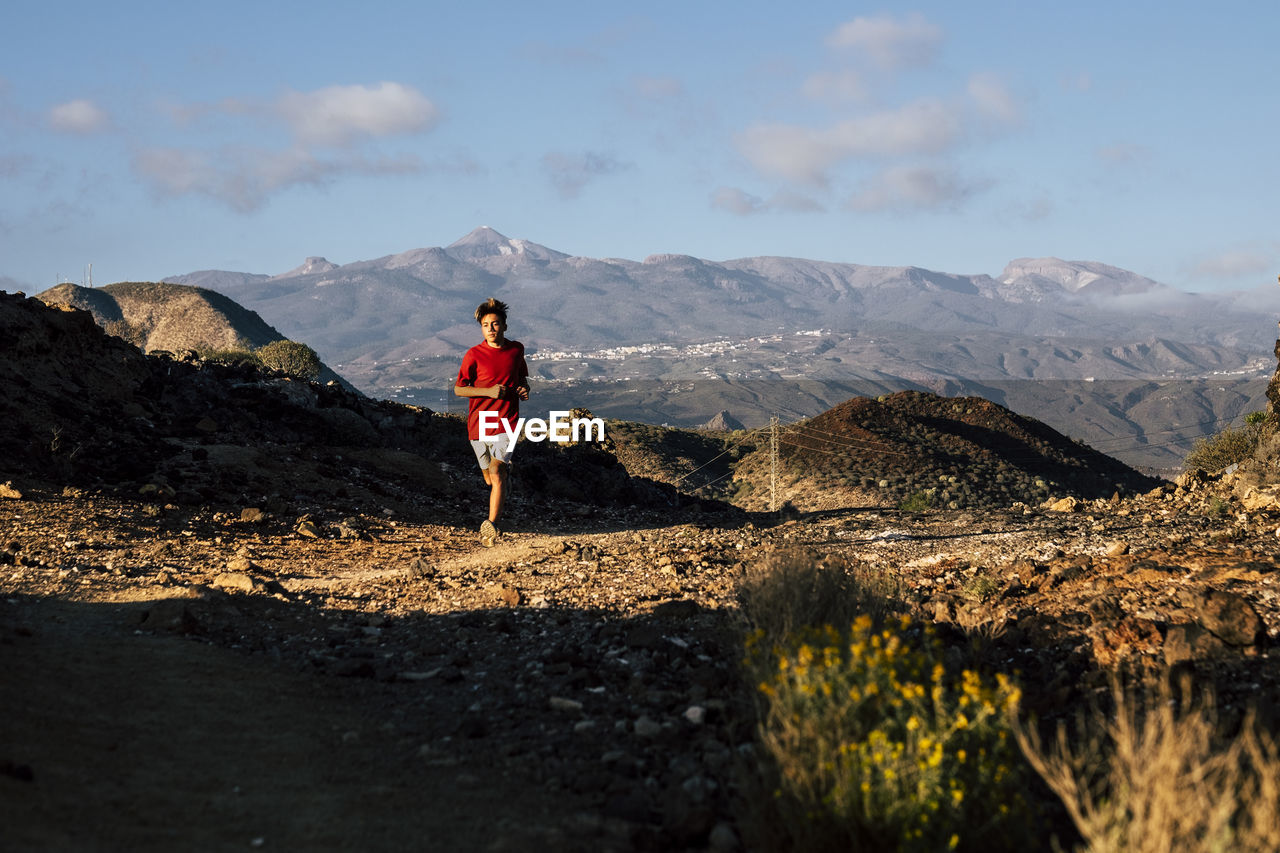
[
  {"x": 674, "y": 338},
  {"x": 418, "y": 303}
]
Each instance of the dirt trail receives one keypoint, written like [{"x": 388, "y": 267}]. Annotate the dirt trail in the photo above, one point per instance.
[{"x": 161, "y": 743}]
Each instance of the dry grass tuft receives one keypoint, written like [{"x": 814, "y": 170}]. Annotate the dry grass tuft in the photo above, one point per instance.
[{"x": 1156, "y": 776}]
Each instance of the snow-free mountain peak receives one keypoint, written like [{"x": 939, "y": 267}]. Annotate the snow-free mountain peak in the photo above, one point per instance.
[
  {"x": 311, "y": 266},
  {"x": 485, "y": 242},
  {"x": 1088, "y": 277}
]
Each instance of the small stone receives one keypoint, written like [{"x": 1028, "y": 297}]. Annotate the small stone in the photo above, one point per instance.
[
  {"x": 252, "y": 514},
  {"x": 559, "y": 703},
  {"x": 696, "y": 714},
  {"x": 723, "y": 838},
  {"x": 237, "y": 581},
  {"x": 418, "y": 568},
  {"x": 1117, "y": 549},
  {"x": 647, "y": 728},
  {"x": 8, "y": 491},
  {"x": 240, "y": 564},
  {"x": 307, "y": 528}
]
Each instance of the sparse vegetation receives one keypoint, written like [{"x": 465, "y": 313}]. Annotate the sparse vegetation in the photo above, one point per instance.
[
  {"x": 230, "y": 356},
  {"x": 1217, "y": 507},
  {"x": 875, "y": 745},
  {"x": 872, "y": 742},
  {"x": 292, "y": 358},
  {"x": 1158, "y": 776},
  {"x": 872, "y": 738},
  {"x": 126, "y": 332},
  {"x": 981, "y": 586},
  {"x": 1231, "y": 445},
  {"x": 920, "y": 501}
]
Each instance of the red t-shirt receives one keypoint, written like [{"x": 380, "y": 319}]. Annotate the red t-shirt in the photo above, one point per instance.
[{"x": 483, "y": 366}]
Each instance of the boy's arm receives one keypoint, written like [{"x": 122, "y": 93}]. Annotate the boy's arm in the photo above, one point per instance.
[{"x": 494, "y": 391}]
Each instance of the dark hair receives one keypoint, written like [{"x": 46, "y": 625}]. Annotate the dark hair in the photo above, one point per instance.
[{"x": 492, "y": 306}]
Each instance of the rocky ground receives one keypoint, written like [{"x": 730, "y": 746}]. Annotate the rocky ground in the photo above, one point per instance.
[
  {"x": 225, "y": 680},
  {"x": 241, "y": 611}
]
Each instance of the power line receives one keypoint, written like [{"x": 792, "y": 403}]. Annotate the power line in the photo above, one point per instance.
[{"x": 744, "y": 437}]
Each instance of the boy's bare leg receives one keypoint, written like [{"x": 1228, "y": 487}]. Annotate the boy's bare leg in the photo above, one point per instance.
[{"x": 496, "y": 476}]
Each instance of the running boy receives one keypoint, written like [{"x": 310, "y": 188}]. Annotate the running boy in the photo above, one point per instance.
[{"x": 494, "y": 375}]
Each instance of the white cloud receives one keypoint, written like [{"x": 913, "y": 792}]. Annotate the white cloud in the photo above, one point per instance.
[
  {"x": 807, "y": 154},
  {"x": 736, "y": 201},
  {"x": 244, "y": 178},
  {"x": 338, "y": 115},
  {"x": 341, "y": 117},
  {"x": 993, "y": 99},
  {"x": 742, "y": 203},
  {"x": 890, "y": 43},
  {"x": 1237, "y": 263},
  {"x": 913, "y": 188},
  {"x": 570, "y": 173},
  {"x": 836, "y": 87},
  {"x": 78, "y": 116}
]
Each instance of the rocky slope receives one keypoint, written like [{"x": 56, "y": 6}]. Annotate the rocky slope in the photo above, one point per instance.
[{"x": 171, "y": 318}]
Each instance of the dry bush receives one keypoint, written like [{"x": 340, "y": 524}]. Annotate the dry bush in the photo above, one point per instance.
[
  {"x": 791, "y": 589},
  {"x": 1155, "y": 776}
]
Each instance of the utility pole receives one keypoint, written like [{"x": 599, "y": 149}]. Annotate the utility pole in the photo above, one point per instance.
[{"x": 773, "y": 464}]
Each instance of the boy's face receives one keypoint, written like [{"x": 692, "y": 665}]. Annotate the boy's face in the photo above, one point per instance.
[{"x": 493, "y": 329}]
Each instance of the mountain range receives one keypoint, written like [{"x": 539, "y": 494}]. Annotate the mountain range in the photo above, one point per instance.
[
  {"x": 1097, "y": 351},
  {"x": 419, "y": 303}
]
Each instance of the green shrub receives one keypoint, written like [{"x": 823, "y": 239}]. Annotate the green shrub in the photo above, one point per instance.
[
  {"x": 981, "y": 587},
  {"x": 920, "y": 501},
  {"x": 1228, "y": 447},
  {"x": 230, "y": 356},
  {"x": 877, "y": 747},
  {"x": 292, "y": 358}
]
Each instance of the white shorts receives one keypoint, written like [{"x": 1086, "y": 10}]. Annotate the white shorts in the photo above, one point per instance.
[{"x": 499, "y": 447}]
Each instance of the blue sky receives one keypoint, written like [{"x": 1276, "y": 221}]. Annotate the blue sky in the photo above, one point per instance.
[{"x": 152, "y": 139}]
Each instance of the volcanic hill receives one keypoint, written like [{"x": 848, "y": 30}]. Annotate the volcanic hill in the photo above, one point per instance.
[
  {"x": 953, "y": 452},
  {"x": 159, "y": 316}
]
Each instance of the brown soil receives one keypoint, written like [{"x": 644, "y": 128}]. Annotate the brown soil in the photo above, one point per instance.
[{"x": 190, "y": 679}]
